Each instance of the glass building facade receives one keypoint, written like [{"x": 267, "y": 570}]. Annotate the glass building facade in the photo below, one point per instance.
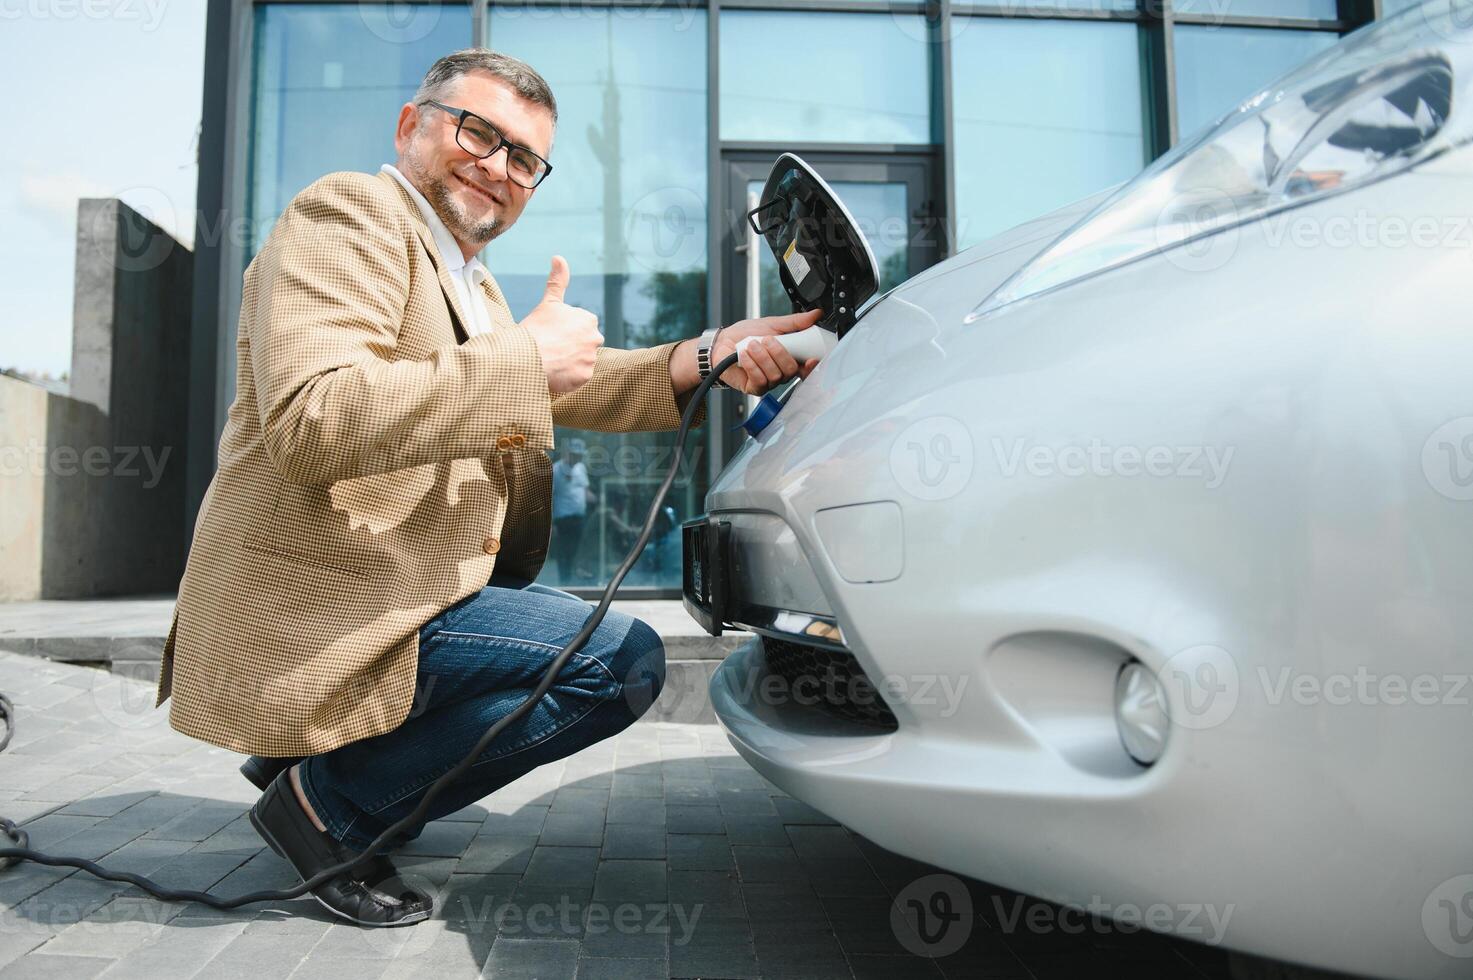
[{"x": 940, "y": 123}]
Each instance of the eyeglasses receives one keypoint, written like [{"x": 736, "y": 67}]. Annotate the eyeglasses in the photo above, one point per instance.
[{"x": 480, "y": 139}]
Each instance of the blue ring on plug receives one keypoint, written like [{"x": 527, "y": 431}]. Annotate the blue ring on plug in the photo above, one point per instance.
[{"x": 761, "y": 415}]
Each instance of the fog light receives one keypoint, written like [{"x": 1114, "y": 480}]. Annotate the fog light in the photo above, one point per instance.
[{"x": 1140, "y": 712}]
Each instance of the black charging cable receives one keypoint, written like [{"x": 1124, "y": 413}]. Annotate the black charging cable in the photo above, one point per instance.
[{"x": 22, "y": 852}]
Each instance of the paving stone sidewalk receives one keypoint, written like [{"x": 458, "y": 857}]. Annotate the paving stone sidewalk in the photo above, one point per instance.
[{"x": 659, "y": 853}]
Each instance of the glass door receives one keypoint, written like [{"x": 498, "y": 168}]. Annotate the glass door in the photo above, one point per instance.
[{"x": 895, "y": 204}]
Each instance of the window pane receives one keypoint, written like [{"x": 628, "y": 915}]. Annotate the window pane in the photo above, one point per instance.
[
  {"x": 1392, "y": 7},
  {"x": 1026, "y": 7},
  {"x": 1309, "y": 9},
  {"x": 1046, "y": 112},
  {"x": 870, "y": 86},
  {"x": 1219, "y": 67},
  {"x": 329, "y": 81},
  {"x": 626, "y": 205}
]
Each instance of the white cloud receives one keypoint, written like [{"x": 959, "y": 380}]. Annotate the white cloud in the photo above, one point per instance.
[{"x": 56, "y": 195}]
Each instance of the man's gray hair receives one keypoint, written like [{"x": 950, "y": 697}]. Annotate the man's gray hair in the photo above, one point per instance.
[{"x": 520, "y": 76}]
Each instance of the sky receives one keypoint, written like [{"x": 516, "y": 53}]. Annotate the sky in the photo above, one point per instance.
[{"x": 103, "y": 101}]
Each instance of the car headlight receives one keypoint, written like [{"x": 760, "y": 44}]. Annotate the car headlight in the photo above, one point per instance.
[{"x": 1386, "y": 98}]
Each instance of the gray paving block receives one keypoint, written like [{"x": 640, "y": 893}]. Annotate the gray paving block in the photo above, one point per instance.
[
  {"x": 633, "y": 841},
  {"x": 711, "y": 894},
  {"x": 442, "y": 838},
  {"x": 699, "y": 852},
  {"x": 573, "y": 828},
  {"x": 532, "y": 959},
  {"x": 643, "y": 810},
  {"x": 580, "y": 799},
  {"x": 889, "y": 967},
  {"x": 558, "y": 866},
  {"x": 762, "y": 830},
  {"x": 258, "y": 955},
  {"x": 688, "y": 819},
  {"x": 38, "y": 965},
  {"x": 523, "y": 821},
  {"x": 639, "y": 882},
  {"x": 496, "y": 855},
  {"x": 605, "y": 968},
  {"x": 797, "y": 812},
  {"x": 734, "y": 960},
  {"x": 835, "y": 864},
  {"x": 178, "y": 950},
  {"x": 199, "y": 822},
  {"x": 116, "y": 929},
  {"x": 638, "y": 784}
]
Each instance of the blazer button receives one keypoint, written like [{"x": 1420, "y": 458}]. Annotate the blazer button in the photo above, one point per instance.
[
  {"x": 490, "y": 546},
  {"x": 518, "y": 441},
  {"x": 503, "y": 443}
]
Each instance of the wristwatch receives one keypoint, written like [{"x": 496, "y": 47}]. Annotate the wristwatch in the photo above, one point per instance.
[{"x": 704, "y": 344}]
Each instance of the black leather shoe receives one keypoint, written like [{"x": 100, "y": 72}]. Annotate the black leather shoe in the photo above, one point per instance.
[
  {"x": 369, "y": 894},
  {"x": 260, "y": 770}
]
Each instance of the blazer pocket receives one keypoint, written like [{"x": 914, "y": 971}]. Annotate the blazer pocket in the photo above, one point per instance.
[
  {"x": 313, "y": 561},
  {"x": 301, "y": 530}
]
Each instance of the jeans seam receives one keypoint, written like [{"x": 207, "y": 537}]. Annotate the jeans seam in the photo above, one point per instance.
[
  {"x": 336, "y": 829},
  {"x": 582, "y": 658},
  {"x": 541, "y": 736}
]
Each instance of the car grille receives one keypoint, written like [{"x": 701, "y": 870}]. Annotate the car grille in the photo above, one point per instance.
[{"x": 830, "y": 681}]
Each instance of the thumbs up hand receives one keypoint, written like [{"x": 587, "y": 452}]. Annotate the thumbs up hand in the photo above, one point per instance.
[{"x": 566, "y": 336}]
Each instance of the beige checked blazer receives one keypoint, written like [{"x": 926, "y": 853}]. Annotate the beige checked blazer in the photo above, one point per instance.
[{"x": 375, "y": 467}]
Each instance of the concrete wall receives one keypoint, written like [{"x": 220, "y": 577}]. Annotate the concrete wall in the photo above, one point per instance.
[{"x": 92, "y": 485}]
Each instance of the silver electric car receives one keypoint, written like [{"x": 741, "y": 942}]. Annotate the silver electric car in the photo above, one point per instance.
[{"x": 1126, "y": 559}]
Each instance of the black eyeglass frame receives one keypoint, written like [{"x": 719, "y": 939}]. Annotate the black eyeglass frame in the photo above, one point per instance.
[{"x": 461, "y": 115}]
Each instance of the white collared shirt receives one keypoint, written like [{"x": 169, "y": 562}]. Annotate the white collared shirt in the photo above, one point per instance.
[{"x": 465, "y": 274}]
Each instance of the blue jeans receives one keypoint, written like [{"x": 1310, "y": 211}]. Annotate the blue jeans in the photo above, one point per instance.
[{"x": 478, "y": 660}]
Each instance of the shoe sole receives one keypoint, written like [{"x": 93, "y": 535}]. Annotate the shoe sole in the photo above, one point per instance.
[
  {"x": 408, "y": 920},
  {"x": 256, "y": 776}
]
